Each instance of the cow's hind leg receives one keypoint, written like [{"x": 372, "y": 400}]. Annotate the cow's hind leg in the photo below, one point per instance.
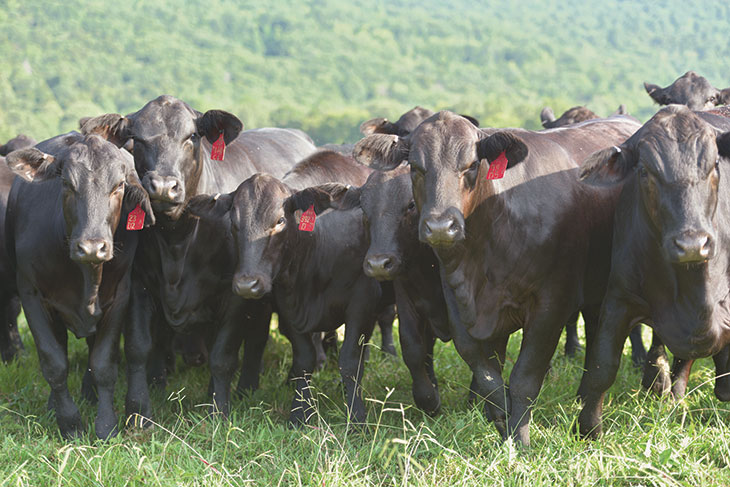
[{"x": 572, "y": 344}]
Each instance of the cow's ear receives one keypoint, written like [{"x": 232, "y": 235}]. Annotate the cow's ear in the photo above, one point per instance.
[
  {"x": 378, "y": 125},
  {"x": 210, "y": 206},
  {"x": 514, "y": 148},
  {"x": 547, "y": 116},
  {"x": 472, "y": 120},
  {"x": 621, "y": 110},
  {"x": 135, "y": 194},
  {"x": 724, "y": 97},
  {"x": 322, "y": 197},
  {"x": 607, "y": 167},
  {"x": 723, "y": 145},
  {"x": 214, "y": 122},
  {"x": 111, "y": 126},
  {"x": 381, "y": 151},
  {"x": 656, "y": 92},
  {"x": 32, "y": 164}
]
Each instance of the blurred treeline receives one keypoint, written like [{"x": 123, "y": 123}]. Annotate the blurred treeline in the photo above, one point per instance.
[{"x": 327, "y": 65}]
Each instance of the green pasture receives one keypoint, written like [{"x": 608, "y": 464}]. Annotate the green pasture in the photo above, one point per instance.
[{"x": 647, "y": 441}]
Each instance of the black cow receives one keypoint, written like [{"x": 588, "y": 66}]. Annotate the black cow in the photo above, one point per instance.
[
  {"x": 572, "y": 115},
  {"x": 670, "y": 261},
  {"x": 10, "y": 342},
  {"x": 523, "y": 251},
  {"x": 16, "y": 143},
  {"x": 395, "y": 254},
  {"x": 406, "y": 124},
  {"x": 316, "y": 277},
  {"x": 690, "y": 89},
  {"x": 66, "y": 236},
  {"x": 184, "y": 262},
  {"x": 328, "y": 166}
]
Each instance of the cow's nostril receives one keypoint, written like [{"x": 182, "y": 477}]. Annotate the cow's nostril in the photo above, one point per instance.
[{"x": 387, "y": 264}]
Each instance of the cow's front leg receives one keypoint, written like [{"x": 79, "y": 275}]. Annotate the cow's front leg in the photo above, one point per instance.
[{"x": 603, "y": 363}]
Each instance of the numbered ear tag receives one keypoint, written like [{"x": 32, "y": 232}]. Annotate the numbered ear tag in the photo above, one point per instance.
[
  {"x": 218, "y": 152},
  {"x": 497, "y": 167},
  {"x": 135, "y": 219},
  {"x": 306, "y": 222}
]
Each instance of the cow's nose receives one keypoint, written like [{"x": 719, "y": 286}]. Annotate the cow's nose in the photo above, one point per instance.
[
  {"x": 93, "y": 251},
  {"x": 443, "y": 231},
  {"x": 381, "y": 266},
  {"x": 248, "y": 287},
  {"x": 166, "y": 189},
  {"x": 693, "y": 247}
]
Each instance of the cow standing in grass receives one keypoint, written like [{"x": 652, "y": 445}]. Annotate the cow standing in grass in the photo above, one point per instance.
[
  {"x": 522, "y": 249},
  {"x": 315, "y": 273},
  {"x": 67, "y": 239},
  {"x": 670, "y": 265}
]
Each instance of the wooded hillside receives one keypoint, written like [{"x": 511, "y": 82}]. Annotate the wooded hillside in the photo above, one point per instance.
[{"x": 326, "y": 65}]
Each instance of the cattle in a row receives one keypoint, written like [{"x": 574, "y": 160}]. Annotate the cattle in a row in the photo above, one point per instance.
[{"x": 481, "y": 231}]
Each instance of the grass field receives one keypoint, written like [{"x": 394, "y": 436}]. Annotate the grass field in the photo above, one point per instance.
[{"x": 646, "y": 442}]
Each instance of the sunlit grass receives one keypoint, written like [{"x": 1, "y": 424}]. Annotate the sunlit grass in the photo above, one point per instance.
[{"x": 646, "y": 442}]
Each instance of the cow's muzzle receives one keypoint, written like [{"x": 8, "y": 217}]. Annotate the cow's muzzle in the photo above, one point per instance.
[
  {"x": 383, "y": 267},
  {"x": 691, "y": 247},
  {"x": 92, "y": 251},
  {"x": 443, "y": 230},
  {"x": 249, "y": 287}
]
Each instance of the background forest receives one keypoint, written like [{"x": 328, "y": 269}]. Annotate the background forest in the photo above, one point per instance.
[{"x": 326, "y": 65}]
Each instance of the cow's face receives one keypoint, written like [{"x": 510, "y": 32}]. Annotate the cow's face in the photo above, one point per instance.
[
  {"x": 676, "y": 160},
  {"x": 444, "y": 154},
  {"x": 691, "y": 90},
  {"x": 97, "y": 178},
  {"x": 260, "y": 225},
  {"x": 391, "y": 218},
  {"x": 167, "y": 146}
]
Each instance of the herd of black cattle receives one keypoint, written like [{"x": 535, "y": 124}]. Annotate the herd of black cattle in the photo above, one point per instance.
[{"x": 184, "y": 233}]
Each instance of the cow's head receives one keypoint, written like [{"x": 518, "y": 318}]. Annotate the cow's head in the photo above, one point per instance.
[
  {"x": 689, "y": 89},
  {"x": 406, "y": 124},
  {"x": 16, "y": 143},
  {"x": 445, "y": 155},
  {"x": 570, "y": 117},
  {"x": 264, "y": 216},
  {"x": 100, "y": 186},
  {"x": 676, "y": 160},
  {"x": 168, "y": 153},
  {"x": 390, "y": 217}
]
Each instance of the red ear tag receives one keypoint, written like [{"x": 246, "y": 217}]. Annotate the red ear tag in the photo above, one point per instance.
[
  {"x": 219, "y": 149},
  {"x": 135, "y": 220},
  {"x": 306, "y": 222},
  {"x": 497, "y": 167}
]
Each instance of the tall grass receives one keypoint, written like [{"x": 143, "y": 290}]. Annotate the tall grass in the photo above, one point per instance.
[{"x": 647, "y": 441}]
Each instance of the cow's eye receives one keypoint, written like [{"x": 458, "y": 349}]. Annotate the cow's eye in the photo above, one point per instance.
[
  {"x": 193, "y": 137},
  {"x": 119, "y": 187},
  {"x": 280, "y": 223},
  {"x": 411, "y": 206}
]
